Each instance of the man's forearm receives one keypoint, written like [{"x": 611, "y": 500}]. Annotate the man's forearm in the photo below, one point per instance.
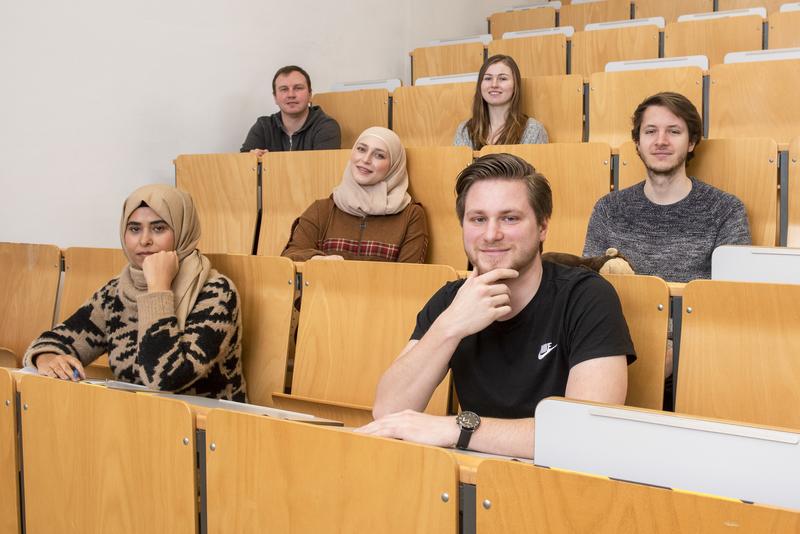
[
  {"x": 509, "y": 437},
  {"x": 413, "y": 377}
]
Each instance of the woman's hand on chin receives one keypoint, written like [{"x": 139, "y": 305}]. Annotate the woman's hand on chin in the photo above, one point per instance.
[{"x": 160, "y": 269}]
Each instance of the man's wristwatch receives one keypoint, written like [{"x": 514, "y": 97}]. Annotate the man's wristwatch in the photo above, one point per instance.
[{"x": 469, "y": 423}]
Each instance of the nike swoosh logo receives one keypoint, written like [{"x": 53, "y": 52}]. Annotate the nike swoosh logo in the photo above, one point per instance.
[{"x": 546, "y": 352}]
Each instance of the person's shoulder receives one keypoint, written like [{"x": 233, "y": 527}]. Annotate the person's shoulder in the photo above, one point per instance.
[
  {"x": 533, "y": 124},
  {"x": 317, "y": 114},
  {"x": 623, "y": 197}
]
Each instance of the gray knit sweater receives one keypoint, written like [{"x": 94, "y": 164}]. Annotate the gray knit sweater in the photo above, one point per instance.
[
  {"x": 674, "y": 241},
  {"x": 533, "y": 134}
]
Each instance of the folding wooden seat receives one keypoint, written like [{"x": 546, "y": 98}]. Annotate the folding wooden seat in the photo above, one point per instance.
[
  {"x": 593, "y": 48},
  {"x": 537, "y": 53},
  {"x": 755, "y": 99},
  {"x": 9, "y": 455},
  {"x": 743, "y": 167},
  {"x": 519, "y": 497},
  {"x": 645, "y": 304},
  {"x": 579, "y": 174},
  {"x": 579, "y": 15},
  {"x": 533, "y": 18},
  {"x": 132, "y": 456},
  {"x": 270, "y": 475},
  {"x": 432, "y": 175},
  {"x": 613, "y": 97},
  {"x": 224, "y": 189},
  {"x": 738, "y": 352},
  {"x": 456, "y": 58},
  {"x": 355, "y": 111},
  {"x": 429, "y": 115},
  {"x": 671, "y": 10},
  {"x": 266, "y": 287},
  {"x": 291, "y": 182},
  {"x": 29, "y": 286},
  {"x": 556, "y": 102},
  {"x": 784, "y": 29},
  {"x": 713, "y": 35},
  {"x": 355, "y": 318},
  {"x": 772, "y": 6},
  {"x": 793, "y": 236}
]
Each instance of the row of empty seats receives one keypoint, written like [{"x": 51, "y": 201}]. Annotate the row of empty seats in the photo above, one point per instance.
[
  {"x": 579, "y": 173},
  {"x": 753, "y": 99},
  {"x": 738, "y": 346},
  {"x": 131, "y": 462},
  {"x": 565, "y": 51},
  {"x": 548, "y": 15}
]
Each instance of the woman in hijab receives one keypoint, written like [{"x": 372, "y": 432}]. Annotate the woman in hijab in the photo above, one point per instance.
[
  {"x": 370, "y": 215},
  {"x": 168, "y": 321},
  {"x": 497, "y": 117}
]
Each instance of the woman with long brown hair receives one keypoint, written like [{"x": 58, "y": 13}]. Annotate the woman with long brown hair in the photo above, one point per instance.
[{"x": 496, "y": 115}]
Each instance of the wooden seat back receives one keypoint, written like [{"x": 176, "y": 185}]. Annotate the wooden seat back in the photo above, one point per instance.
[
  {"x": 738, "y": 352},
  {"x": 673, "y": 9},
  {"x": 579, "y": 15},
  {"x": 541, "y": 55},
  {"x": 266, "y": 287},
  {"x": 591, "y": 50},
  {"x": 645, "y": 304},
  {"x": 755, "y": 100},
  {"x": 432, "y": 173},
  {"x": 29, "y": 287},
  {"x": 124, "y": 463},
  {"x": 429, "y": 115},
  {"x": 296, "y": 477},
  {"x": 448, "y": 59},
  {"x": 224, "y": 188},
  {"x": 713, "y": 38},
  {"x": 9, "y": 455},
  {"x": 355, "y": 111},
  {"x": 526, "y": 19},
  {"x": 793, "y": 235},
  {"x": 556, "y": 102},
  {"x": 355, "y": 318}
]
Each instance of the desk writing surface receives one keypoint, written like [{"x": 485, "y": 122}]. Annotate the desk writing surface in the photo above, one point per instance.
[{"x": 740, "y": 461}]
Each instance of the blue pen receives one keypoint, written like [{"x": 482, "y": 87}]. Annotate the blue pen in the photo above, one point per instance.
[{"x": 75, "y": 374}]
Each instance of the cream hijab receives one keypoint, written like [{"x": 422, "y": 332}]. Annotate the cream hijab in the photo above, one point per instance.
[
  {"x": 387, "y": 197},
  {"x": 177, "y": 210}
]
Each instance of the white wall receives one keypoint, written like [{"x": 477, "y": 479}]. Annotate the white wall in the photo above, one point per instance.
[{"x": 98, "y": 96}]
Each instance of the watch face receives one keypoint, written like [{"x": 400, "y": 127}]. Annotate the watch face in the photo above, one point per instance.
[{"x": 468, "y": 420}]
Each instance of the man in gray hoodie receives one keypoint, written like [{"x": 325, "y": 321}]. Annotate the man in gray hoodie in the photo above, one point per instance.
[{"x": 297, "y": 126}]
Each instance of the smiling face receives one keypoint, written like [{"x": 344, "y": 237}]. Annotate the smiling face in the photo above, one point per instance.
[
  {"x": 497, "y": 85},
  {"x": 146, "y": 233},
  {"x": 663, "y": 142},
  {"x": 369, "y": 161},
  {"x": 500, "y": 226},
  {"x": 292, "y": 94}
]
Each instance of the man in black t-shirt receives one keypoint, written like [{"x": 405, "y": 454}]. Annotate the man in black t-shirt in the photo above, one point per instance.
[{"x": 515, "y": 331}]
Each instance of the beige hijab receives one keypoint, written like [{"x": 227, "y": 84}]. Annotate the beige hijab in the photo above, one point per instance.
[
  {"x": 387, "y": 197},
  {"x": 177, "y": 210}
]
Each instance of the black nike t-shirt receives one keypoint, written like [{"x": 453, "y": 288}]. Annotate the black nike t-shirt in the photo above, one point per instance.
[{"x": 507, "y": 368}]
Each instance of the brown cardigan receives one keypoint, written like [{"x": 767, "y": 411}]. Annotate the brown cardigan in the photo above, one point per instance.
[{"x": 324, "y": 229}]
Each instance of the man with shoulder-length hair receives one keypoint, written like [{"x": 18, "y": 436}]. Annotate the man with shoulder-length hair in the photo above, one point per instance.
[
  {"x": 515, "y": 331},
  {"x": 669, "y": 224},
  {"x": 298, "y": 125}
]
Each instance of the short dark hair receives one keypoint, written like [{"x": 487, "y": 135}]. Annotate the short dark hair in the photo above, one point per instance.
[
  {"x": 289, "y": 69},
  {"x": 506, "y": 166},
  {"x": 680, "y": 106}
]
